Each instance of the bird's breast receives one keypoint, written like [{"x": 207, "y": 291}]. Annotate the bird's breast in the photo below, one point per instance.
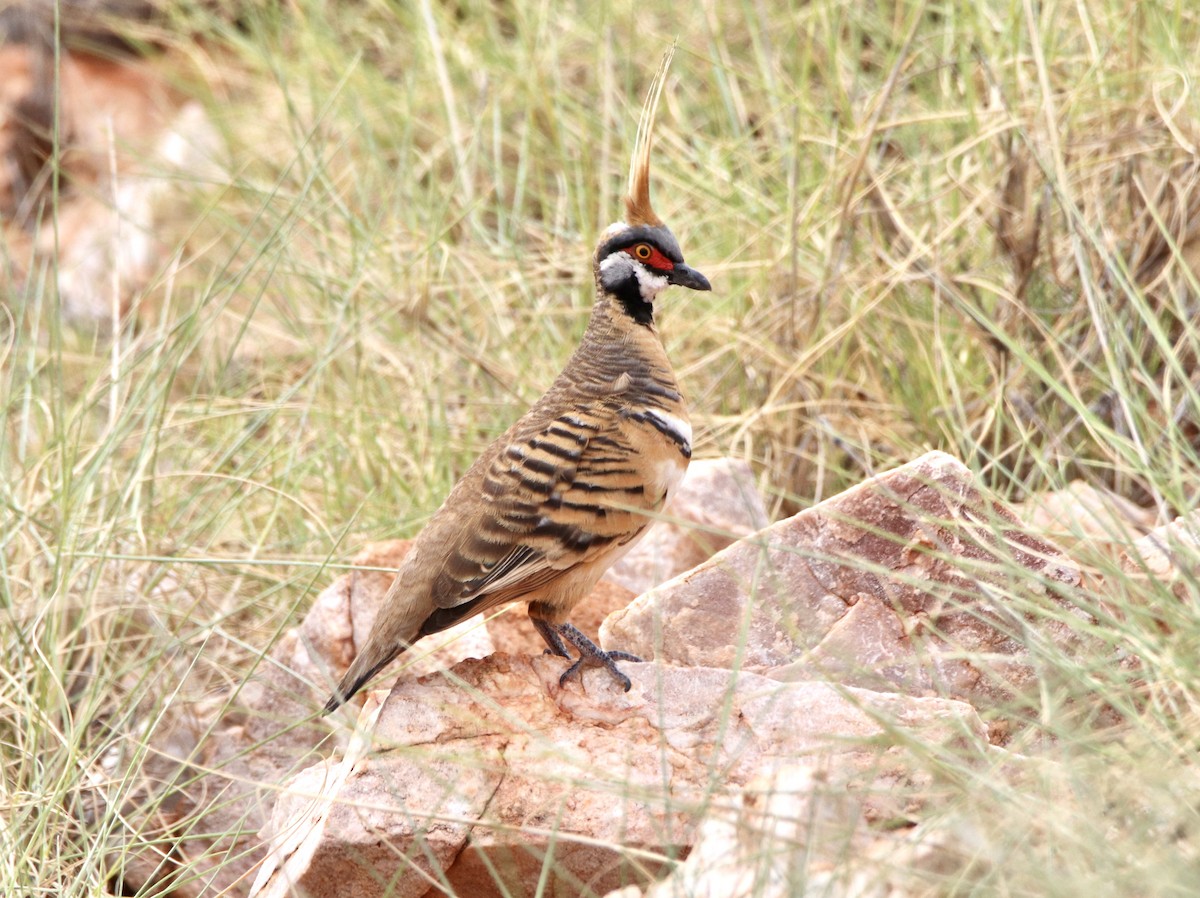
[{"x": 663, "y": 440}]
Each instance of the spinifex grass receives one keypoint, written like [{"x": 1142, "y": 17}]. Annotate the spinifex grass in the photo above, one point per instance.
[{"x": 928, "y": 226}]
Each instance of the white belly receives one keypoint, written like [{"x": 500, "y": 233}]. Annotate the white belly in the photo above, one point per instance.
[{"x": 667, "y": 476}]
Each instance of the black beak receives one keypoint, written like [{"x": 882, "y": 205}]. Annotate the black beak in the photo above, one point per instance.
[{"x": 684, "y": 276}]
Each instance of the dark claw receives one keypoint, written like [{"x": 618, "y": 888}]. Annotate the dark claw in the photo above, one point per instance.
[
  {"x": 576, "y": 668},
  {"x": 622, "y": 679}
]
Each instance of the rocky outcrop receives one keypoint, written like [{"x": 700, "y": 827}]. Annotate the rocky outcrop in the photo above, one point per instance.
[
  {"x": 490, "y": 777},
  {"x": 749, "y": 846},
  {"x": 130, "y": 143},
  {"x": 811, "y": 669},
  {"x": 912, "y": 580},
  {"x": 1085, "y": 518},
  {"x": 1169, "y": 558},
  {"x": 784, "y": 833},
  {"x": 217, "y": 768}
]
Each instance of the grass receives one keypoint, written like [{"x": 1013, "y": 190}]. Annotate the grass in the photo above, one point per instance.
[{"x": 955, "y": 226}]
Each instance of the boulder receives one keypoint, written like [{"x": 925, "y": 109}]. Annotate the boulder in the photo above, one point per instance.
[
  {"x": 216, "y": 768},
  {"x": 343, "y": 614},
  {"x": 781, "y": 823},
  {"x": 1085, "y": 519},
  {"x": 1168, "y": 557},
  {"x": 913, "y": 580},
  {"x": 490, "y": 777},
  {"x": 795, "y": 831}
]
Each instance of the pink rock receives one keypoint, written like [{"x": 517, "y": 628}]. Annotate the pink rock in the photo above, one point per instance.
[
  {"x": 490, "y": 771},
  {"x": 785, "y": 820},
  {"x": 343, "y": 614},
  {"x": 219, "y": 765},
  {"x": 1169, "y": 557},
  {"x": 905, "y": 581},
  {"x": 1085, "y": 518}
]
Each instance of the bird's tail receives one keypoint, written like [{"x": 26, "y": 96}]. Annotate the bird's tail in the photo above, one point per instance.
[{"x": 365, "y": 666}]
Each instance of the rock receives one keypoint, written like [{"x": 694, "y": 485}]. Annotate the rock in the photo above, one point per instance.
[
  {"x": 427, "y": 812},
  {"x": 910, "y": 580},
  {"x": 490, "y": 771},
  {"x": 716, "y": 504},
  {"x": 1168, "y": 556},
  {"x": 131, "y": 143},
  {"x": 795, "y": 831},
  {"x": 1084, "y": 518},
  {"x": 110, "y": 239},
  {"x": 929, "y": 861},
  {"x": 217, "y": 767},
  {"x": 779, "y": 823},
  {"x": 512, "y": 633}
]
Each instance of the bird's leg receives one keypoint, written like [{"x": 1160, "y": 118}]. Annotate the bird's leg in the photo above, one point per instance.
[
  {"x": 546, "y": 629},
  {"x": 590, "y": 653}
]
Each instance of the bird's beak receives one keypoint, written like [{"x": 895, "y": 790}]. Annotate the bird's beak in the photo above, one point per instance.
[{"x": 684, "y": 276}]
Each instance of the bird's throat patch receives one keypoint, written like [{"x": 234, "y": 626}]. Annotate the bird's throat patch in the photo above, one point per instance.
[{"x": 633, "y": 284}]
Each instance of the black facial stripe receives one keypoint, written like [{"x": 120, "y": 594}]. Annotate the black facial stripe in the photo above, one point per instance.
[
  {"x": 629, "y": 292},
  {"x": 660, "y": 238}
]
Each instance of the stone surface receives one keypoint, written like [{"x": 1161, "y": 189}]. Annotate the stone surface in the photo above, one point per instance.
[
  {"x": 491, "y": 771},
  {"x": 131, "y": 144},
  {"x": 909, "y": 580},
  {"x": 1085, "y": 519},
  {"x": 425, "y": 811},
  {"x": 1169, "y": 556},
  {"x": 795, "y": 831},
  {"x": 217, "y": 768},
  {"x": 760, "y": 843},
  {"x": 716, "y": 504}
]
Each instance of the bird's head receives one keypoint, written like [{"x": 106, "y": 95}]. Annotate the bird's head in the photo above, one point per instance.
[{"x": 639, "y": 257}]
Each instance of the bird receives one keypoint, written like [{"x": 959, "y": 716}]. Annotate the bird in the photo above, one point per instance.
[{"x": 569, "y": 488}]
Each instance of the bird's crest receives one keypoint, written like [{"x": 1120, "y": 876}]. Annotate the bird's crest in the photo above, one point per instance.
[{"x": 638, "y": 210}]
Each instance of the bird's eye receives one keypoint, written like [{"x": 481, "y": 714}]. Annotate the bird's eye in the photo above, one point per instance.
[{"x": 642, "y": 251}]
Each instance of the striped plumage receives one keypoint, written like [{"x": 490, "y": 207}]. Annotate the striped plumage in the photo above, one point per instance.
[{"x": 568, "y": 489}]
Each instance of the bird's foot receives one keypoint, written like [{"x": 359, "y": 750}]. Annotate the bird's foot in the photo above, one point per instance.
[
  {"x": 624, "y": 656},
  {"x": 591, "y": 655}
]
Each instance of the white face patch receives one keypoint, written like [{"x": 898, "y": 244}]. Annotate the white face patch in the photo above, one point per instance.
[
  {"x": 620, "y": 265},
  {"x": 650, "y": 284}
]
